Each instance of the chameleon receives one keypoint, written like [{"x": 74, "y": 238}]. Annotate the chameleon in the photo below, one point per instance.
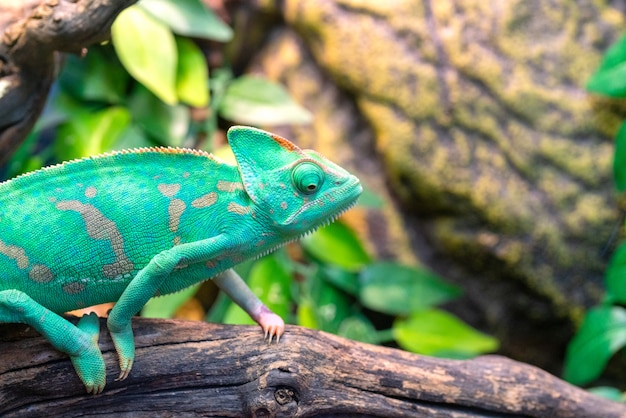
[{"x": 128, "y": 225}]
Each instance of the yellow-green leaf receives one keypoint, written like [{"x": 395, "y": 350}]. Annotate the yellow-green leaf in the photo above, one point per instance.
[
  {"x": 91, "y": 133},
  {"x": 257, "y": 101},
  {"x": 438, "y": 333},
  {"x": 306, "y": 314},
  {"x": 192, "y": 75},
  {"x": 147, "y": 49},
  {"x": 166, "y": 306}
]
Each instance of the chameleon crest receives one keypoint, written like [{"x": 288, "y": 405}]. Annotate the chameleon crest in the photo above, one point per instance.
[{"x": 128, "y": 225}]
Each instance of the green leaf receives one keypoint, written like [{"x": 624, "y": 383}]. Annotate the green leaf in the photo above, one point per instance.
[
  {"x": 608, "y": 392},
  {"x": 98, "y": 76},
  {"x": 347, "y": 281},
  {"x": 91, "y": 133},
  {"x": 132, "y": 137},
  {"x": 438, "y": 333},
  {"x": 610, "y": 78},
  {"x": 167, "y": 124},
  {"x": 337, "y": 244},
  {"x": 188, "y": 18},
  {"x": 331, "y": 305},
  {"x": 619, "y": 159},
  {"x": 397, "y": 289},
  {"x": 306, "y": 314},
  {"x": 192, "y": 76},
  {"x": 67, "y": 107},
  {"x": 147, "y": 49},
  {"x": 358, "y": 328},
  {"x": 25, "y": 159},
  {"x": 167, "y": 305},
  {"x": 610, "y": 83},
  {"x": 615, "y": 55},
  {"x": 601, "y": 335},
  {"x": 258, "y": 101},
  {"x": 271, "y": 283},
  {"x": 616, "y": 276}
]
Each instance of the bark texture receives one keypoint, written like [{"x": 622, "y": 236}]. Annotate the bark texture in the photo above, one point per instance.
[{"x": 186, "y": 368}]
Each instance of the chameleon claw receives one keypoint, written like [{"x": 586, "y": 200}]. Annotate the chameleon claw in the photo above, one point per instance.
[
  {"x": 123, "y": 375},
  {"x": 125, "y": 368},
  {"x": 273, "y": 326},
  {"x": 95, "y": 389}
]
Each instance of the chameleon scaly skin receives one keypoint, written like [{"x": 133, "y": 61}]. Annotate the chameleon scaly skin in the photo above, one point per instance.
[{"x": 125, "y": 226}]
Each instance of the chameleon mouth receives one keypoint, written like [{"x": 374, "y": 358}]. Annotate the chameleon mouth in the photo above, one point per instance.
[
  {"x": 349, "y": 192},
  {"x": 352, "y": 189},
  {"x": 311, "y": 230}
]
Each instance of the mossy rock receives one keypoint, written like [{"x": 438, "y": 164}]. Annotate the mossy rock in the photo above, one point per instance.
[{"x": 474, "y": 117}]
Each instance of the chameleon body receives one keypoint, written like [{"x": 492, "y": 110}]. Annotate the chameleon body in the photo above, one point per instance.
[{"x": 125, "y": 226}]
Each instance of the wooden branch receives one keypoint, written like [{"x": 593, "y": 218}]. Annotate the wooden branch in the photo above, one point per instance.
[
  {"x": 32, "y": 32},
  {"x": 204, "y": 369}
]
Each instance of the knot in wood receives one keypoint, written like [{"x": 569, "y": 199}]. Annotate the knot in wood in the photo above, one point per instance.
[
  {"x": 262, "y": 413},
  {"x": 285, "y": 395}
]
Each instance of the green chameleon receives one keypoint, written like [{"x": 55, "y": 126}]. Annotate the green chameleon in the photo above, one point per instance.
[{"x": 128, "y": 225}]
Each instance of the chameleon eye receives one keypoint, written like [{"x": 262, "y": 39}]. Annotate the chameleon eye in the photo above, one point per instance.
[{"x": 307, "y": 177}]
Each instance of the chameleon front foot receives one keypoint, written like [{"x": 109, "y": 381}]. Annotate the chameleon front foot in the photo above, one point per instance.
[{"x": 124, "y": 343}]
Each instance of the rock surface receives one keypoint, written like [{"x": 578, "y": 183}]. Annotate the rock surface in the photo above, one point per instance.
[{"x": 474, "y": 118}]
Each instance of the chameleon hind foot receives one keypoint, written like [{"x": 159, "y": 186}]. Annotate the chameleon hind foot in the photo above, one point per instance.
[
  {"x": 272, "y": 324},
  {"x": 125, "y": 366},
  {"x": 234, "y": 286},
  {"x": 88, "y": 361},
  {"x": 79, "y": 342}
]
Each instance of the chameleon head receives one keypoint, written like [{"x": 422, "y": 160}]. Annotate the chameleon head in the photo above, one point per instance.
[{"x": 298, "y": 190}]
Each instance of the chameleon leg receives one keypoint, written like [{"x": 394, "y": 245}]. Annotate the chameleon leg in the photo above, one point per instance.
[
  {"x": 143, "y": 287},
  {"x": 149, "y": 279},
  {"x": 234, "y": 286},
  {"x": 136, "y": 294},
  {"x": 80, "y": 343}
]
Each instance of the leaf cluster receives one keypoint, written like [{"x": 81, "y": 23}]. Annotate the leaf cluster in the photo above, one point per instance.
[
  {"x": 603, "y": 330},
  {"x": 145, "y": 88}
]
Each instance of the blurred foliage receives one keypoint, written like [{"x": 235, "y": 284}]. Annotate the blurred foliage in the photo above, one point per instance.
[
  {"x": 142, "y": 89},
  {"x": 129, "y": 93},
  {"x": 603, "y": 330},
  {"x": 329, "y": 282}
]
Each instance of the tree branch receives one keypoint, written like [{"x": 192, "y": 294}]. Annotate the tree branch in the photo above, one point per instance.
[
  {"x": 198, "y": 368},
  {"x": 33, "y": 32}
]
